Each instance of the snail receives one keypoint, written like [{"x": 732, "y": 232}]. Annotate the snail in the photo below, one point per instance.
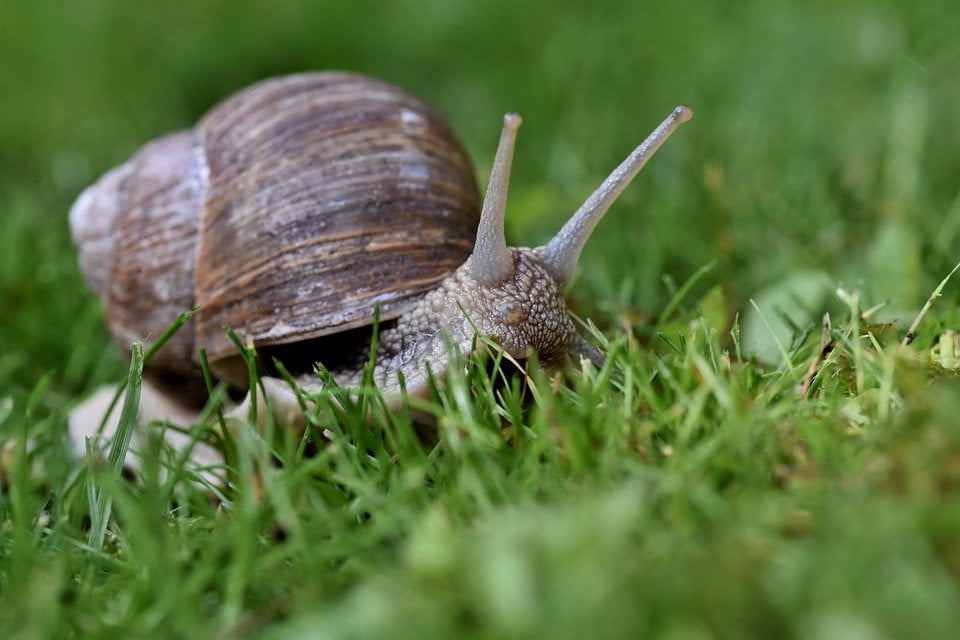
[{"x": 295, "y": 209}]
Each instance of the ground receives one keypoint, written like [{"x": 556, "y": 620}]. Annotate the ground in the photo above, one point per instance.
[{"x": 738, "y": 468}]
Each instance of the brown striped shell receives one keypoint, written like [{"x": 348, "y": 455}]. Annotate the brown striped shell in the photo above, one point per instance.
[{"x": 289, "y": 212}]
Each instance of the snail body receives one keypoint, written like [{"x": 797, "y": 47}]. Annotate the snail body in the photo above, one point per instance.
[{"x": 298, "y": 207}]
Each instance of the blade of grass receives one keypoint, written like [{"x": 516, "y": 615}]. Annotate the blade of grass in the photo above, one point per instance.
[
  {"x": 100, "y": 507},
  {"x": 912, "y": 331},
  {"x": 683, "y": 291},
  {"x": 249, "y": 357},
  {"x": 776, "y": 339},
  {"x": 181, "y": 320}
]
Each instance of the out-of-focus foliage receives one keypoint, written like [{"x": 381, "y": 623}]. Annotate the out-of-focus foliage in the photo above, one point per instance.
[{"x": 688, "y": 489}]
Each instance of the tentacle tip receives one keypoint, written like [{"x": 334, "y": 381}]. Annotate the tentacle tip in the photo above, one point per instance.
[
  {"x": 512, "y": 120},
  {"x": 683, "y": 113}
]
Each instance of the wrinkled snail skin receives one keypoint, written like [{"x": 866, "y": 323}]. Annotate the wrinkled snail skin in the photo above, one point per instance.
[
  {"x": 355, "y": 207},
  {"x": 524, "y": 313}
]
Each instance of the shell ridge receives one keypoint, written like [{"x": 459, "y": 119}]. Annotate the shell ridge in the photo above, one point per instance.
[{"x": 317, "y": 196}]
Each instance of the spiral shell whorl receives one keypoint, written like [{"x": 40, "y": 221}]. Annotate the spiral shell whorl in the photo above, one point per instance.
[
  {"x": 344, "y": 193},
  {"x": 136, "y": 230},
  {"x": 93, "y": 218}
]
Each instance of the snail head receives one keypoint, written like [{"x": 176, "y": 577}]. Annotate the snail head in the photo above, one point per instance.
[{"x": 526, "y": 285}]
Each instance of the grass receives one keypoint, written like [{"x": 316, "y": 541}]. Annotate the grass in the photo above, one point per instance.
[{"x": 738, "y": 468}]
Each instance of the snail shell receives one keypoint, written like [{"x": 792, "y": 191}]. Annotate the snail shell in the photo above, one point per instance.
[{"x": 290, "y": 211}]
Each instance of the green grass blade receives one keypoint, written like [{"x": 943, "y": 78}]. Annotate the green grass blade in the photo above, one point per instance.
[{"x": 101, "y": 505}]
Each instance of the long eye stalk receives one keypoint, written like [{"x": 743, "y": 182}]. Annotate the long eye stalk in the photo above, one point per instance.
[
  {"x": 491, "y": 261},
  {"x": 562, "y": 252}
]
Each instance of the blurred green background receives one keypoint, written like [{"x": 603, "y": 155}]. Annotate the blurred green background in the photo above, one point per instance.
[
  {"x": 823, "y": 152},
  {"x": 823, "y": 149}
]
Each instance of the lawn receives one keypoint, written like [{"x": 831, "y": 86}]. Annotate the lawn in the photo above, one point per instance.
[{"x": 766, "y": 452}]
